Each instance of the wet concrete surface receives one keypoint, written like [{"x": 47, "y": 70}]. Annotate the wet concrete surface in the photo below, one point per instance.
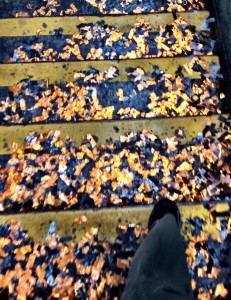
[
  {"x": 84, "y": 8},
  {"x": 221, "y": 11}
]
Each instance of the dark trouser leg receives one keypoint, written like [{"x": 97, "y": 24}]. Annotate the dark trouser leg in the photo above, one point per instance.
[{"x": 159, "y": 270}]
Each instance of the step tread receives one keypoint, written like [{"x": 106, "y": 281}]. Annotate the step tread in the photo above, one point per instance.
[
  {"x": 30, "y": 26},
  {"x": 105, "y": 130},
  {"x": 63, "y": 72},
  {"x": 106, "y": 220}
]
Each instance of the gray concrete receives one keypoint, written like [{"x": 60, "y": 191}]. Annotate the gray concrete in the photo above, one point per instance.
[{"x": 222, "y": 11}]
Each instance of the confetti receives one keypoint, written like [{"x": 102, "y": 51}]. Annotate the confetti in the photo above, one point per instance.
[
  {"x": 93, "y": 7},
  {"x": 46, "y": 173},
  {"x": 100, "y": 41},
  {"x": 95, "y": 269},
  {"x": 80, "y": 220},
  {"x": 94, "y": 96}
]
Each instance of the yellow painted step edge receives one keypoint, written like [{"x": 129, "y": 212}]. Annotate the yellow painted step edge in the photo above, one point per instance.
[
  {"x": 46, "y": 25},
  {"x": 106, "y": 220},
  {"x": 104, "y": 130},
  {"x": 63, "y": 72}
]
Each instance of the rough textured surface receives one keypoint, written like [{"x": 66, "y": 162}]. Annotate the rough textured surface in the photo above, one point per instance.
[
  {"x": 221, "y": 10},
  {"x": 137, "y": 169},
  {"x": 27, "y": 8},
  {"x": 96, "y": 269},
  {"x": 94, "y": 96},
  {"x": 37, "y": 224},
  {"x": 99, "y": 41}
]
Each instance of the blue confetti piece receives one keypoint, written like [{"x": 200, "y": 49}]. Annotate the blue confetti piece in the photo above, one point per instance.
[{"x": 51, "y": 229}]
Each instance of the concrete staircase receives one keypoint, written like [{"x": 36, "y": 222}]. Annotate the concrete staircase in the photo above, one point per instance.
[{"x": 62, "y": 72}]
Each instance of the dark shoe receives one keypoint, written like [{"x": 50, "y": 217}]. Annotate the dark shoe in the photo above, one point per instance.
[
  {"x": 4, "y": 294},
  {"x": 161, "y": 208}
]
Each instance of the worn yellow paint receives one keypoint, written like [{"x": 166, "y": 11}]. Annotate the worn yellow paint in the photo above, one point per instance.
[
  {"x": 37, "y": 224},
  {"x": 57, "y": 72},
  {"x": 106, "y": 220},
  {"x": 164, "y": 127},
  {"x": 46, "y": 26}
]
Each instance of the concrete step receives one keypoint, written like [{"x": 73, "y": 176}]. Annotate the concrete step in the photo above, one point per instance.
[
  {"x": 107, "y": 130},
  {"x": 31, "y": 32},
  {"x": 46, "y": 26},
  {"x": 63, "y": 72},
  {"x": 37, "y": 224}
]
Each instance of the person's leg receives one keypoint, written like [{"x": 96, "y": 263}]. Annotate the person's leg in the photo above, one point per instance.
[{"x": 159, "y": 269}]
